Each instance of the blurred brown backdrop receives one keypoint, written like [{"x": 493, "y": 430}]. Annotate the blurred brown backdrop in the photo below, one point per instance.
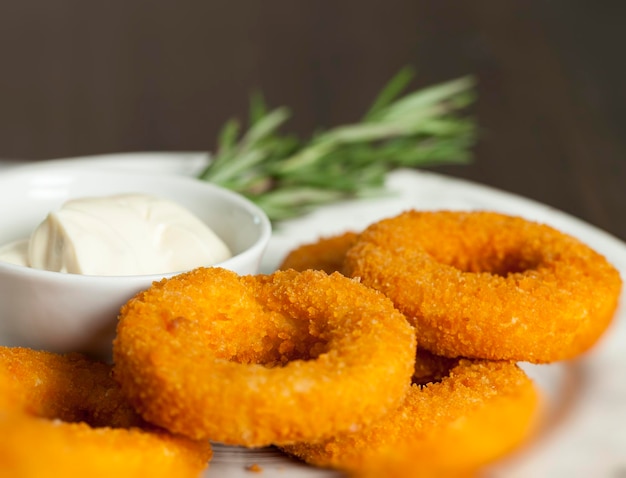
[{"x": 85, "y": 77}]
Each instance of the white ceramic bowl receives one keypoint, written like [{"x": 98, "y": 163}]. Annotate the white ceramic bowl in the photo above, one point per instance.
[{"x": 70, "y": 312}]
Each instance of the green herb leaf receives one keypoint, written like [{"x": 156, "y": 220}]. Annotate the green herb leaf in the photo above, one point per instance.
[
  {"x": 288, "y": 177},
  {"x": 391, "y": 91}
]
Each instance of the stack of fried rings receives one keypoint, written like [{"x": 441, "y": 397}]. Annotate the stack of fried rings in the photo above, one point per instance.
[
  {"x": 71, "y": 410},
  {"x": 424, "y": 262},
  {"x": 267, "y": 359},
  {"x": 482, "y": 284}
]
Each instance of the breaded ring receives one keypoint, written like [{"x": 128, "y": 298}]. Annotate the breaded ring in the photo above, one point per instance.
[
  {"x": 64, "y": 414},
  {"x": 260, "y": 360},
  {"x": 487, "y": 285},
  {"x": 326, "y": 254},
  {"x": 458, "y": 416}
]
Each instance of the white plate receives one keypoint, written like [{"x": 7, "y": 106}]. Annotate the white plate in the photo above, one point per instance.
[{"x": 583, "y": 432}]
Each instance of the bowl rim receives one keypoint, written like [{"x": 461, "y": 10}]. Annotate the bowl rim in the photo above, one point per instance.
[{"x": 31, "y": 171}]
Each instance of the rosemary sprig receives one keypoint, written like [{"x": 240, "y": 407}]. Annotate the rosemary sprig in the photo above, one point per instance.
[{"x": 288, "y": 177}]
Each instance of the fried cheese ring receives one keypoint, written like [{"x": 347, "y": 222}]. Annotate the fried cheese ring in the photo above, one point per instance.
[
  {"x": 458, "y": 416},
  {"x": 488, "y": 285},
  {"x": 326, "y": 254},
  {"x": 65, "y": 414},
  {"x": 258, "y": 360}
]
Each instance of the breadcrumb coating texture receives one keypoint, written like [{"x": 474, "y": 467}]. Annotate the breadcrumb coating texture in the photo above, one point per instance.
[
  {"x": 487, "y": 285},
  {"x": 267, "y": 359},
  {"x": 471, "y": 414},
  {"x": 65, "y": 414},
  {"x": 326, "y": 254}
]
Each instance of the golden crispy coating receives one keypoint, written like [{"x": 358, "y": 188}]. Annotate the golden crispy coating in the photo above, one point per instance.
[
  {"x": 266, "y": 359},
  {"x": 327, "y": 254},
  {"x": 470, "y": 414},
  {"x": 65, "y": 414},
  {"x": 487, "y": 285}
]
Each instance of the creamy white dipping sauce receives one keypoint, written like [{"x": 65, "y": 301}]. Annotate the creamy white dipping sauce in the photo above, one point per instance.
[{"x": 130, "y": 234}]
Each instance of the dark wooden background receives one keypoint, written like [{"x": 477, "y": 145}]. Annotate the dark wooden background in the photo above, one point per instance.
[{"x": 84, "y": 77}]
